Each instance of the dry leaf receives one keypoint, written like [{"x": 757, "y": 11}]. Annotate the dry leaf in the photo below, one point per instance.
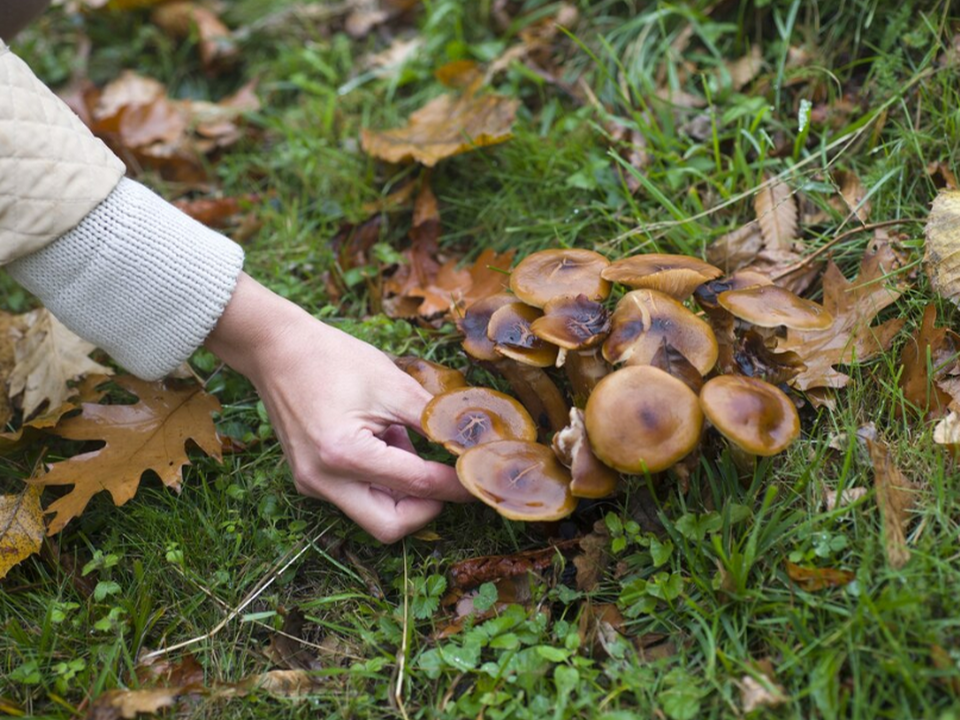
[
  {"x": 746, "y": 68},
  {"x": 127, "y": 704},
  {"x": 48, "y": 357},
  {"x": 941, "y": 169},
  {"x": 896, "y": 496},
  {"x": 852, "y": 197},
  {"x": 592, "y": 563},
  {"x": 21, "y": 527},
  {"x": 737, "y": 248},
  {"x": 930, "y": 349},
  {"x": 459, "y": 73},
  {"x": 777, "y": 214},
  {"x": 387, "y": 63},
  {"x": 755, "y": 694},
  {"x": 942, "y": 257},
  {"x": 831, "y": 500},
  {"x": 286, "y": 650},
  {"x": 217, "y": 213},
  {"x": 853, "y": 305},
  {"x": 216, "y": 44},
  {"x": 599, "y": 627},
  {"x": 446, "y": 126},
  {"x": 814, "y": 579},
  {"x": 473, "y": 572},
  {"x": 148, "y": 435},
  {"x": 11, "y": 327}
]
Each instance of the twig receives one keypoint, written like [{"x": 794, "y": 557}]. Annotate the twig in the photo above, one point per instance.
[
  {"x": 251, "y": 596},
  {"x": 402, "y": 655},
  {"x": 790, "y": 269}
]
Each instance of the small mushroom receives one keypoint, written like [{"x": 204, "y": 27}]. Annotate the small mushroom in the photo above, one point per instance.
[
  {"x": 674, "y": 275},
  {"x": 754, "y": 415},
  {"x": 590, "y": 477},
  {"x": 544, "y": 275},
  {"x": 706, "y": 294},
  {"x": 577, "y": 325},
  {"x": 538, "y": 393},
  {"x": 465, "y": 417},
  {"x": 644, "y": 319},
  {"x": 770, "y": 306},
  {"x": 434, "y": 377},
  {"x": 639, "y": 419},
  {"x": 722, "y": 321},
  {"x": 521, "y": 480},
  {"x": 512, "y": 336}
]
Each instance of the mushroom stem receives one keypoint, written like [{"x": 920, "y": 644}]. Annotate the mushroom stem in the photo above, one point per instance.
[
  {"x": 585, "y": 368},
  {"x": 537, "y": 393}
]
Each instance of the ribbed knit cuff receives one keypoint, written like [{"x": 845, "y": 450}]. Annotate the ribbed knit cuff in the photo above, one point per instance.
[{"x": 139, "y": 278}]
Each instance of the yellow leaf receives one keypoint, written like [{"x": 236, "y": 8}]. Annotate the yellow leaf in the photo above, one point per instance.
[
  {"x": 21, "y": 527},
  {"x": 446, "y": 126},
  {"x": 48, "y": 357},
  {"x": 942, "y": 258},
  {"x": 776, "y": 211}
]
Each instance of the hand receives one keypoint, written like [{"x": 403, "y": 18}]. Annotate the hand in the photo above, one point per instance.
[{"x": 339, "y": 407}]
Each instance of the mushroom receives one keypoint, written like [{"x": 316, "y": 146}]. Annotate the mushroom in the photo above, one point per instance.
[
  {"x": 770, "y": 306},
  {"x": 434, "y": 378},
  {"x": 590, "y": 477},
  {"x": 510, "y": 331},
  {"x": 532, "y": 385},
  {"x": 757, "y": 417},
  {"x": 675, "y": 275},
  {"x": 644, "y": 319},
  {"x": 465, "y": 417},
  {"x": 544, "y": 275},
  {"x": 722, "y": 321},
  {"x": 521, "y": 480},
  {"x": 675, "y": 363},
  {"x": 640, "y": 419},
  {"x": 577, "y": 325}
]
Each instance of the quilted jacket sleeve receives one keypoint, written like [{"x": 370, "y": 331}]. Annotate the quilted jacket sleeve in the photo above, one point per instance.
[{"x": 53, "y": 171}]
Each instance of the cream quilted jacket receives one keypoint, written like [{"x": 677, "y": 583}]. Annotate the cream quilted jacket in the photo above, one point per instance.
[{"x": 53, "y": 171}]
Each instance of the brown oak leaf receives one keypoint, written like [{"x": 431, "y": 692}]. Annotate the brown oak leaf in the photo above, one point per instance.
[
  {"x": 854, "y": 305},
  {"x": 151, "y": 434},
  {"x": 21, "y": 527},
  {"x": 930, "y": 366}
]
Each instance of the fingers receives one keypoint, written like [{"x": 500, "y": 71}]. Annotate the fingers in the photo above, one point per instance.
[
  {"x": 381, "y": 514},
  {"x": 404, "y": 471},
  {"x": 406, "y": 401},
  {"x": 396, "y": 436}
]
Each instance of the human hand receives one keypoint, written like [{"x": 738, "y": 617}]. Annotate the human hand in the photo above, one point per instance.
[{"x": 339, "y": 407}]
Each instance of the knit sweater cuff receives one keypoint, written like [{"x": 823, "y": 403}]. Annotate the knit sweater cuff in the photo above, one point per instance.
[{"x": 139, "y": 278}]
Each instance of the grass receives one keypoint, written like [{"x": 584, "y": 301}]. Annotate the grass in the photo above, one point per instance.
[{"x": 169, "y": 568}]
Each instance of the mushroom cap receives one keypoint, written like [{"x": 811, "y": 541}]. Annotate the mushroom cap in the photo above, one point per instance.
[
  {"x": 590, "y": 477},
  {"x": 707, "y": 293},
  {"x": 675, "y": 275},
  {"x": 509, "y": 329},
  {"x": 771, "y": 306},
  {"x": 544, "y": 275},
  {"x": 755, "y": 415},
  {"x": 639, "y": 419},
  {"x": 644, "y": 319},
  {"x": 573, "y": 323},
  {"x": 473, "y": 326},
  {"x": 433, "y": 377},
  {"x": 465, "y": 417},
  {"x": 521, "y": 480}
]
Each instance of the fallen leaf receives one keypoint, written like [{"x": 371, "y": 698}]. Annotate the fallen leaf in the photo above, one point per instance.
[
  {"x": 286, "y": 649},
  {"x": 148, "y": 435},
  {"x": 21, "y": 527},
  {"x": 930, "y": 350},
  {"x": 737, "y": 248},
  {"x": 216, "y": 212},
  {"x": 446, "y": 126},
  {"x": 854, "y": 305},
  {"x": 389, "y": 62},
  {"x": 814, "y": 579},
  {"x": 179, "y": 19},
  {"x": 599, "y": 627},
  {"x": 947, "y": 432},
  {"x": 127, "y": 704},
  {"x": 852, "y": 200},
  {"x": 947, "y": 177},
  {"x": 48, "y": 357},
  {"x": 896, "y": 496},
  {"x": 942, "y": 257},
  {"x": 592, "y": 563},
  {"x": 777, "y": 215},
  {"x": 745, "y": 69},
  {"x": 756, "y": 694},
  {"x": 473, "y": 572},
  {"x": 831, "y": 499},
  {"x": 942, "y": 660},
  {"x": 459, "y": 74},
  {"x": 11, "y": 327}
]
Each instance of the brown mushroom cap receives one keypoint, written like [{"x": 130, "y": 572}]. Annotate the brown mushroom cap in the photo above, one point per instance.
[
  {"x": 644, "y": 319},
  {"x": 707, "y": 293},
  {"x": 463, "y": 418},
  {"x": 509, "y": 329},
  {"x": 573, "y": 323},
  {"x": 434, "y": 377},
  {"x": 521, "y": 480},
  {"x": 771, "y": 306},
  {"x": 590, "y": 477},
  {"x": 474, "y": 324},
  {"x": 639, "y": 419},
  {"x": 675, "y": 275},
  {"x": 753, "y": 414},
  {"x": 544, "y": 275}
]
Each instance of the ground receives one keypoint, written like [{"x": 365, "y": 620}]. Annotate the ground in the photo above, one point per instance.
[{"x": 860, "y": 87}]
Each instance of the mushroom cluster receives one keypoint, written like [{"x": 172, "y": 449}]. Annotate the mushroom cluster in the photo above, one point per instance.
[{"x": 642, "y": 382}]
